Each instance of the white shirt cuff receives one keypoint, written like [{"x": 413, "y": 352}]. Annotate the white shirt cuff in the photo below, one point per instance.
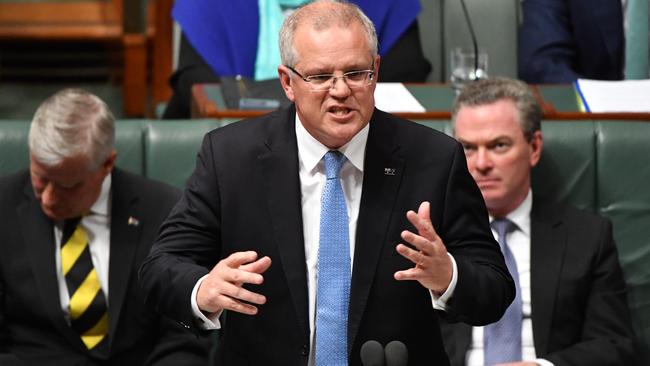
[
  {"x": 204, "y": 322},
  {"x": 543, "y": 362},
  {"x": 440, "y": 303}
]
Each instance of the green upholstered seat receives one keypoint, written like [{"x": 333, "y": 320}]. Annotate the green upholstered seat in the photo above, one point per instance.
[{"x": 567, "y": 169}]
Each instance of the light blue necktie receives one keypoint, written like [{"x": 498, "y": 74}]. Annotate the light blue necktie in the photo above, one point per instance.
[
  {"x": 502, "y": 340},
  {"x": 333, "y": 289}
]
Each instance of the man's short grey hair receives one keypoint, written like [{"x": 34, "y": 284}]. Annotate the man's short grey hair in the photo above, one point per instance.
[
  {"x": 339, "y": 13},
  {"x": 492, "y": 90},
  {"x": 69, "y": 123}
]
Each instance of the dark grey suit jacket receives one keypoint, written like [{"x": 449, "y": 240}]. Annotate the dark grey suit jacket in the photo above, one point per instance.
[
  {"x": 32, "y": 325},
  {"x": 580, "y": 314},
  {"x": 245, "y": 195}
]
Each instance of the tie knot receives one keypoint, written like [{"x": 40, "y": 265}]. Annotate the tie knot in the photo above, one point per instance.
[
  {"x": 333, "y": 162},
  {"x": 503, "y": 226},
  {"x": 69, "y": 226}
]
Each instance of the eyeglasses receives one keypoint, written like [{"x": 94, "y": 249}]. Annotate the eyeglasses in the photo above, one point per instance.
[{"x": 354, "y": 79}]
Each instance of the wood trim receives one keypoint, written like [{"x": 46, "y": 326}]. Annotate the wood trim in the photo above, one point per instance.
[
  {"x": 92, "y": 20},
  {"x": 84, "y": 12},
  {"x": 134, "y": 83},
  {"x": 203, "y": 107},
  {"x": 162, "y": 52},
  {"x": 61, "y": 32}
]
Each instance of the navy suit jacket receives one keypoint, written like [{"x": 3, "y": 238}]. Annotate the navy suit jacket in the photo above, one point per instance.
[
  {"x": 32, "y": 326},
  {"x": 563, "y": 40},
  {"x": 579, "y": 304},
  {"x": 245, "y": 195}
]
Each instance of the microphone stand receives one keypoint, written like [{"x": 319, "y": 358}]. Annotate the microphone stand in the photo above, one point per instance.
[{"x": 473, "y": 35}]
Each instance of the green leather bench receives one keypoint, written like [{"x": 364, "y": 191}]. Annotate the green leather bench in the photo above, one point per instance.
[{"x": 596, "y": 165}]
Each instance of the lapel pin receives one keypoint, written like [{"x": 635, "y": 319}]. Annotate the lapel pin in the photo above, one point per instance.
[
  {"x": 133, "y": 221},
  {"x": 389, "y": 171}
]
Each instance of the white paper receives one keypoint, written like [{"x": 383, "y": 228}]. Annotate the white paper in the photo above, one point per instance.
[
  {"x": 615, "y": 96},
  {"x": 394, "y": 97}
]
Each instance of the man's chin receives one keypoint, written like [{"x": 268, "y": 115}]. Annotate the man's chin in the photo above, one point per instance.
[{"x": 56, "y": 214}]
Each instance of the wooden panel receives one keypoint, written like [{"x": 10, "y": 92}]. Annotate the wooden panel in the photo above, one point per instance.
[
  {"x": 84, "y": 12},
  {"x": 134, "y": 83},
  {"x": 86, "y": 20},
  {"x": 61, "y": 20},
  {"x": 162, "y": 52}
]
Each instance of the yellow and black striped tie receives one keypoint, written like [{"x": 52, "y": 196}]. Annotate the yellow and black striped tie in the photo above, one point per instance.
[{"x": 88, "y": 309}]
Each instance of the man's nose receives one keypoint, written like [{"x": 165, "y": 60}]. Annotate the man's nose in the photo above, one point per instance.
[
  {"x": 48, "y": 194},
  {"x": 483, "y": 159},
  {"x": 339, "y": 87}
]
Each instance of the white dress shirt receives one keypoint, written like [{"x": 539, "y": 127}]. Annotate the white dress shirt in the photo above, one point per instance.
[
  {"x": 97, "y": 226},
  {"x": 519, "y": 243},
  {"x": 312, "y": 182}
]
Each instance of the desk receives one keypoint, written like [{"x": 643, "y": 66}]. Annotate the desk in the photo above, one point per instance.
[{"x": 559, "y": 102}]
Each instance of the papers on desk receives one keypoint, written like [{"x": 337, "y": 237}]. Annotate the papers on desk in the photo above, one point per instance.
[
  {"x": 614, "y": 96},
  {"x": 394, "y": 97}
]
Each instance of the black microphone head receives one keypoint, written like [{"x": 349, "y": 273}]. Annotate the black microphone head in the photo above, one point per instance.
[
  {"x": 372, "y": 354},
  {"x": 396, "y": 354}
]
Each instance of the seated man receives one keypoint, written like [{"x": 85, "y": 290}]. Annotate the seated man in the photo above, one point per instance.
[
  {"x": 563, "y": 40},
  {"x": 226, "y": 38},
  {"x": 571, "y": 306},
  {"x": 74, "y": 231}
]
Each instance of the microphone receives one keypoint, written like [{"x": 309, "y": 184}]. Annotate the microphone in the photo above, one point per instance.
[
  {"x": 396, "y": 354},
  {"x": 372, "y": 354},
  {"x": 473, "y": 35}
]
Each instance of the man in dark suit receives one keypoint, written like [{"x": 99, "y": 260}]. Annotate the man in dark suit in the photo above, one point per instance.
[
  {"x": 251, "y": 240},
  {"x": 77, "y": 302},
  {"x": 563, "y": 40},
  {"x": 573, "y": 308}
]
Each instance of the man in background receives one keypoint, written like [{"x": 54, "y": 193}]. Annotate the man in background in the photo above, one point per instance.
[
  {"x": 563, "y": 40},
  {"x": 74, "y": 231},
  {"x": 571, "y": 306}
]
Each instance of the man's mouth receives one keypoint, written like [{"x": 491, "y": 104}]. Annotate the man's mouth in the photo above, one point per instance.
[{"x": 339, "y": 111}]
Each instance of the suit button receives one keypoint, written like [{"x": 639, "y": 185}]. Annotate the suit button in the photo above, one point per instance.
[{"x": 305, "y": 350}]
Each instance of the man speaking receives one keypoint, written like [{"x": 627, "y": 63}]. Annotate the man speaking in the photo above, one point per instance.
[{"x": 306, "y": 232}]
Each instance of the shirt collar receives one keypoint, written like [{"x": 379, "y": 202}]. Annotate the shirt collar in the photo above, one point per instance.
[
  {"x": 100, "y": 207},
  {"x": 521, "y": 215},
  {"x": 311, "y": 151}
]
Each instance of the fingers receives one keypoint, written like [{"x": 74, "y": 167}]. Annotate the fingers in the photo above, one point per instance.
[
  {"x": 218, "y": 299},
  {"x": 223, "y": 288},
  {"x": 427, "y": 252},
  {"x": 408, "y": 274},
  {"x": 259, "y": 266},
  {"x": 422, "y": 221},
  {"x": 418, "y": 258}
]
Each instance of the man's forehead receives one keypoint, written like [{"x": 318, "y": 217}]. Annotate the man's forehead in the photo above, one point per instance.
[{"x": 67, "y": 171}]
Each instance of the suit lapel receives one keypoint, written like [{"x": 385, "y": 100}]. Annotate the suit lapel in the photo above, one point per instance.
[
  {"x": 282, "y": 189},
  {"x": 124, "y": 240},
  {"x": 383, "y": 169},
  {"x": 548, "y": 246},
  {"x": 38, "y": 231}
]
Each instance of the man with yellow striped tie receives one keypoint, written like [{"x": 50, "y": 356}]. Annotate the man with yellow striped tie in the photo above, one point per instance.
[{"x": 73, "y": 233}]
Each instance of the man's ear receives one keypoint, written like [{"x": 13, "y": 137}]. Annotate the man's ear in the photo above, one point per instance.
[
  {"x": 109, "y": 163},
  {"x": 536, "y": 145},
  {"x": 285, "y": 80},
  {"x": 377, "y": 62}
]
